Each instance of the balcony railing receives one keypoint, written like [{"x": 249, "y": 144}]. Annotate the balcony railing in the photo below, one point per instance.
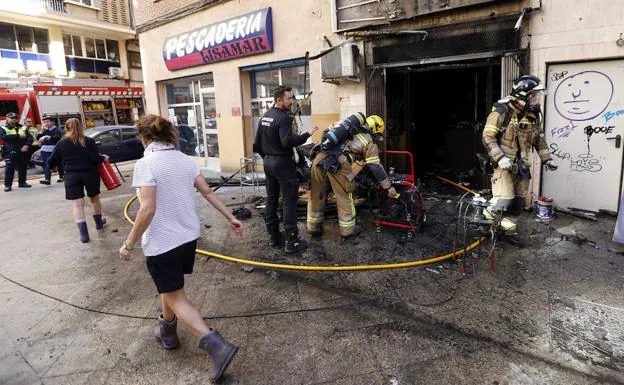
[
  {"x": 33, "y": 7},
  {"x": 50, "y": 5}
]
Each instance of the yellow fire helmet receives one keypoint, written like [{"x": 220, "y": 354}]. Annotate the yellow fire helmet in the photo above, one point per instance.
[{"x": 376, "y": 124}]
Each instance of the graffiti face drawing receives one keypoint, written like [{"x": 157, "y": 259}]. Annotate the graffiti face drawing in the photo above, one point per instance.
[{"x": 583, "y": 96}]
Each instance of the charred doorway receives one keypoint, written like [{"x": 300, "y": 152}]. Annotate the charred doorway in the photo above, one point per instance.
[
  {"x": 436, "y": 91},
  {"x": 437, "y": 112}
]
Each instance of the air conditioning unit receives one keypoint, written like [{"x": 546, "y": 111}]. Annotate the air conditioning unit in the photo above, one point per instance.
[
  {"x": 115, "y": 72},
  {"x": 341, "y": 63}
]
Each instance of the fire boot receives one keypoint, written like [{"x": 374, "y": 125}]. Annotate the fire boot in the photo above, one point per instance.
[
  {"x": 221, "y": 352},
  {"x": 354, "y": 233},
  {"x": 513, "y": 239},
  {"x": 84, "y": 231},
  {"x": 100, "y": 221},
  {"x": 166, "y": 333},
  {"x": 293, "y": 243},
  {"x": 276, "y": 238},
  {"x": 317, "y": 232}
]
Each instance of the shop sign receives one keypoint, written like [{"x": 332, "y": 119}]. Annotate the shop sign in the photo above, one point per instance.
[{"x": 245, "y": 35}]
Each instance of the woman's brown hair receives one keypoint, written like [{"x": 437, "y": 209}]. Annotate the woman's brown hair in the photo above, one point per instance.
[
  {"x": 74, "y": 132},
  {"x": 154, "y": 128}
]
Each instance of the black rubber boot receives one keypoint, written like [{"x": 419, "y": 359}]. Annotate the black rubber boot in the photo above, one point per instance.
[
  {"x": 99, "y": 221},
  {"x": 293, "y": 243},
  {"x": 276, "y": 238},
  {"x": 221, "y": 352},
  {"x": 166, "y": 333},
  {"x": 84, "y": 231}
]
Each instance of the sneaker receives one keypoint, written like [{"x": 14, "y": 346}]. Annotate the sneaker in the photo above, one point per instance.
[
  {"x": 24, "y": 185},
  {"x": 45, "y": 182},
  {"x": 7, "y": 188}
]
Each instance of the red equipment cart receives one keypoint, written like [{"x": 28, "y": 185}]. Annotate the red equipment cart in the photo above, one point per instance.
[{"x": 405, "y": 211}]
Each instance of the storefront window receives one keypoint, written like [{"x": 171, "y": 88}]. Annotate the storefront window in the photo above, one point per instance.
[
  {"x": 210, "y": 123},
  {"x": 266, "y": 81},
  {"x": 207, "y": 81},
  {"x": 179, "y": 92},
  {"x": 263, "y": 84},
  {"x": 293, "y": 77},
  {"x": 192, "y": 108}
]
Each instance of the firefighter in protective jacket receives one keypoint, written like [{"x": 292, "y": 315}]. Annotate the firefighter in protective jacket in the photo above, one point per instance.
[
  {"x": 511, "y": 131},
  {"x": 346, "y": 149}
]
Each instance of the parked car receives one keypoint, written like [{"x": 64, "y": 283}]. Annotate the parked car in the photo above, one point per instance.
[{"x": 120, "y": 143}]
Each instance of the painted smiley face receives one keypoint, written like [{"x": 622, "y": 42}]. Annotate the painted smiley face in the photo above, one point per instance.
[{"x": 584, "y": 95}]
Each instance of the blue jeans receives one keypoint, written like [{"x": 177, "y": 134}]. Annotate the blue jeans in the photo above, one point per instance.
[{"x": 47, "y": 173}]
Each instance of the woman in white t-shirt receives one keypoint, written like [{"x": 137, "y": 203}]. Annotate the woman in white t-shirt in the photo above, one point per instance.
[{"x": 167, "y": 181}]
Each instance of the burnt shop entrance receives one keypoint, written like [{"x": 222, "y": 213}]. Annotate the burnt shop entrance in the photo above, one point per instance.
[{"x": 436, "y": 93}]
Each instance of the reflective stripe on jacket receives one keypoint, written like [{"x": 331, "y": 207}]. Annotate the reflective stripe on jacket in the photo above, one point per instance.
[{"x": 501, "y": 141}]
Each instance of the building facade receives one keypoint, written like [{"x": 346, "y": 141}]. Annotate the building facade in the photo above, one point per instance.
[
  {"x": 223, "y": 99},
  {"x": 432, "y": 69}
]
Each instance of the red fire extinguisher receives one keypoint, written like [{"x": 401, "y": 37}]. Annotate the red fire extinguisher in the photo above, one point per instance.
[{"x": 108, "y": 175}]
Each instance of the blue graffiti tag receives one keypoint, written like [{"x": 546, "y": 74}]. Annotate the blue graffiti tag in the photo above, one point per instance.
[{"x": 611, "y": 114}]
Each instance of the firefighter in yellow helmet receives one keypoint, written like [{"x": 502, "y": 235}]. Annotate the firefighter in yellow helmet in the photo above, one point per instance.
[{"x": 345, "y": 150}]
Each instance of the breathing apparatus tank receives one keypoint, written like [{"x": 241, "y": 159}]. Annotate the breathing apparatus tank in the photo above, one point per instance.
[{"x": 339, "y": 133}]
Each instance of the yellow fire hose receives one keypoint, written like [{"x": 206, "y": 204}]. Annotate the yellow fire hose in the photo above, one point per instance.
[{"x": 332, "y": 268}]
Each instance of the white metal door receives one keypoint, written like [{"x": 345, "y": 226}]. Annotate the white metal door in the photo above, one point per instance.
[{"x": 584, "y": 125}]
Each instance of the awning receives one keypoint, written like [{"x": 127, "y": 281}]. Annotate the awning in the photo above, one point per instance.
[{"x": 89, "y": 91}]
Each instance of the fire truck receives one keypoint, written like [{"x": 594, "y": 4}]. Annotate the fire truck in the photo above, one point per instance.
[{"x": 95, "y": 106}]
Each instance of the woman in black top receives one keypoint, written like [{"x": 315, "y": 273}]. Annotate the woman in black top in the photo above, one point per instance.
[{"x": 79, "y": 158}]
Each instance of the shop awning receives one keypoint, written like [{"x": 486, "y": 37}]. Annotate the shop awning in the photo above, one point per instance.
[
  {"x": 89, "y": 91},
  {"x": 275, "y": 64}
]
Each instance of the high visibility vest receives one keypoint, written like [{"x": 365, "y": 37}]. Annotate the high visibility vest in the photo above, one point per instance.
[{"x": 13, "y": 131}]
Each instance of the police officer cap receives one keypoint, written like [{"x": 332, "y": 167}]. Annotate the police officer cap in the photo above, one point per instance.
[
  {"x": 11, "y": 115},
  {"x": 47, "y": 117}
]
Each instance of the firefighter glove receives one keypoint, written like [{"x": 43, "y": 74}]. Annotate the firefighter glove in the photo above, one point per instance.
[
  {"x": 551, "y": 165},
  {"x": 505, "y": 163}
]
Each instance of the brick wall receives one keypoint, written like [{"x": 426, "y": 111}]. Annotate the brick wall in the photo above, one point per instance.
[{"x": 149, "y": 10}]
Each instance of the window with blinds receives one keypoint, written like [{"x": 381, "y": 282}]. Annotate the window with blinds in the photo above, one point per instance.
[{"x": 115, "y": 11}]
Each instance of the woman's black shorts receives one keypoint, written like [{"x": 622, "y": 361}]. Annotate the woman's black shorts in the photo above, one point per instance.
[
  {"x": 168, "y": 269},
  {"x": 78, "y": 181}
]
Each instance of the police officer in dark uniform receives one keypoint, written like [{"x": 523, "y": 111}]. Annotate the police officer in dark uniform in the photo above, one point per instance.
[
  {"x": 17, "y": 141},
  {"x": 275, "y": 142}
]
